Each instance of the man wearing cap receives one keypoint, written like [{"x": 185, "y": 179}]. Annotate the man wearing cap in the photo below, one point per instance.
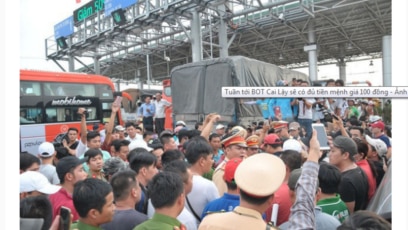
[
  {"x": 272, "y": 144},
  {"x": 234, "y": 146},
  {"x": 46, "y": 152},
  {"x": 70, "y": 170},
  {"x": 257, "y": 178},
  {"x": 253, "y": 145},
  {"x": 377, "y": 129},
  {"x": 362, "y": 110},
  {"x": 377, "y": 150},
  {"x": 33, "y": 183},
  {"x": 121, "y": 130},
  {"x": 220, "y": 130},
  {"x": 230, "y": 199},
  {"x": 281, "y": 129},
  {"x": 180, "y": 123},
  {"x": 293, "y": 130},
  {"x": 353, "y": 188}
]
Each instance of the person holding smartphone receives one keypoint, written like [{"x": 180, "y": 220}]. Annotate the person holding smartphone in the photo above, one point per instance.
[{"x": 305, "y": 117}]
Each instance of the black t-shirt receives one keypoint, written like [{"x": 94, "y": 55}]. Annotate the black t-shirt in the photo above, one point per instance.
[
  {"x": 74, "y": 146},
  {"x": 380, "y": 171},
  {"x": 354, "y": 187}
]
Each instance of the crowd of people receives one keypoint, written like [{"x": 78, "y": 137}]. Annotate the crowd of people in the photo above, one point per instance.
[{"x": 271, "y": 174}]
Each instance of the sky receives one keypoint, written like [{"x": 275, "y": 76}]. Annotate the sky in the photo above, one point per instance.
[
  {"x": 37, "y": 20},
  {"x": 36, "y": 27},
  {"x": 23, "y": 47}
]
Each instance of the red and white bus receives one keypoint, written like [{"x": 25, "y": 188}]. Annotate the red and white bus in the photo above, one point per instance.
[{"x": 49, "y": 102}]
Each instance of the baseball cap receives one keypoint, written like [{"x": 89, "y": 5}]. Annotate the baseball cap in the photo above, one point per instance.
[
  {"x": 271, "y": 139},
  {"x": 293, "y": 178},
  {"x": 379, "y": 145},
  {"x": 139, "y": 144},
  {"x": 253, "y": 141},
  {"x": 46, "y": 149},
  {"x": 35, "y": 181},
  {"x": 260, "y": 175},
  {"x": 155, "y": 144},
  {"x": 345, "y": 143},
  {"x": 374, "y": 118},
  {"x": 364, "y": 101},
  {"x": 180, "y": 123},
  {"x": 67, "y": 163},
  {"x": 220, "y": 126},
  {"x": 378, "y": 124},
  {"x": 292, "y": 144},
  {"x": 178, "y": 128},
  {"x": 119, "y": 128},
  {"x": 294, "y": 126},
  {"x": 230, "y": 168}
]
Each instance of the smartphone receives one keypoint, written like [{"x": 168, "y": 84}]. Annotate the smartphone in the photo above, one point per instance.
[
  {"x": 118, "y": 100},
  {"x": 65, "y": 218},
  {"x": 321, "y": 136}
]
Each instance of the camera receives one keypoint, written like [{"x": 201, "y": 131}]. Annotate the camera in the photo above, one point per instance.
[
  {"x": 87, "y": 111},
  {"x": 327, "y": 116}
]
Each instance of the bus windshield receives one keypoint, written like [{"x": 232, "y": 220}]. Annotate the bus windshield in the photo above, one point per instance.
[{"x": 49, "y": 103}]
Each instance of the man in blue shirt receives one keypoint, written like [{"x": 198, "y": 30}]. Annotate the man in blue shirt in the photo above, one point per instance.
[
  {"x": 230, "y": 199},
  {"x": 147, "y": 111}
]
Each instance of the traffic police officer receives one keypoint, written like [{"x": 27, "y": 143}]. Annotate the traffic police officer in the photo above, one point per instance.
[{"x": 257, "y": 177}]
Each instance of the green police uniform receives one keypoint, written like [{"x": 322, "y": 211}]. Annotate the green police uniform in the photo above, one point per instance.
[
  {"x": 82, "y": 226},
  {"x": 160, "y": 222}
]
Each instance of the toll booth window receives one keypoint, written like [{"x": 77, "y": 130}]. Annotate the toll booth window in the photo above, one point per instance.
[{"x": 28, "y": 88}]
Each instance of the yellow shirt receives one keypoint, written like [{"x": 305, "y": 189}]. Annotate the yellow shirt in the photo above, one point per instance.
[{"x": 239, "y": 218}]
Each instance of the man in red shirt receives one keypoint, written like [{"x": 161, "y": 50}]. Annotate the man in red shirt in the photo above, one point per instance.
[{"x": 70, "y": 170}]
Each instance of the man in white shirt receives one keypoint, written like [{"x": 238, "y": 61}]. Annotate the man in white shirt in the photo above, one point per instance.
[
  {"x": 134, "y": 132},
  {"x": 199, "y": 156},
  {"x": 161, "y": 106},
  {"x": 305, "y": 116}
]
